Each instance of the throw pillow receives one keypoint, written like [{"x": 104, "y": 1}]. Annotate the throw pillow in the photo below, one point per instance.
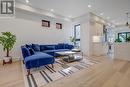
[
  {"x": 31, "y": 51},
  {"x": 36, "y": 47},
  {"x": 25, "y": 52},
  {"x": 28, "y": 46}
]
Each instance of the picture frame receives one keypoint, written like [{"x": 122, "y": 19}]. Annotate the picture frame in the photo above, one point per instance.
[
  {"x": 45, "y": 23},
  {"x": 58, "y": 26}
]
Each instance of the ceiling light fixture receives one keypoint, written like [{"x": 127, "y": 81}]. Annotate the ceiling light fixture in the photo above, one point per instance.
[
  {"x": 127, "y": 23},
  {"x": 52, "y": 10},
  {"x": 117, "y": 23},
  {"x": 108, "y": 17},
  {"x": 27, "y": 1},
  {"x": 101, "y": 14},
  {"x": 70, "y": 16},
  {"x": 89, "y": 6}
]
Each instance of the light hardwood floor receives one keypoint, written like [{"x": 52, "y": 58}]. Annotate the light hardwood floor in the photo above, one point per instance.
[
  {"x": 11, "y": 75},
  {"x": 108, "y": 73}
]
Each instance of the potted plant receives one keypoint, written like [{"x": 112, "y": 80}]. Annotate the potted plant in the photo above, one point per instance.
[
  {"x": 72, "y": 40},
  {"x": 118, "y": 40},
  {"x": 128, "y": 39},
  {"x": 7, "y": 40}
]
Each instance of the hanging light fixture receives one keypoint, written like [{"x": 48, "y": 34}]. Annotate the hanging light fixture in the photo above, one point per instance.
[
  {"x": 127, "y": 23},
  {"x": 89, "y": 5},
  {"x": 27, "y": 1}
]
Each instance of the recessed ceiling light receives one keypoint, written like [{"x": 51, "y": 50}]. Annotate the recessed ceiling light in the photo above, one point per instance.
[
  {"x": 27, "y": 1},
  {"x": 89, "y": 6},
  {"x": 117, "y": 23},
  {"x": 67, "y": 19},
  {"x": 101, "y": 13},
  {"x": 70, "y": 16},
  {"x": 52, "y": 10},
  {"x": 108, "y": 17}
]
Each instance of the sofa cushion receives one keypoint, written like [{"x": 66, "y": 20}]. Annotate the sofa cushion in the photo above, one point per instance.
[
  {"x": 37, "y": 56},
  {"x": 47, "y": 51},
  {"x": 25, "y": 51},
  {"x": 38, "y": 59},
  {"x": 70, "y": 47},
  {"x": 31, "y": 51},
  {"x": 36, "y": 47},
  {"x": 49, "y": 47},
  {"x": 42, "y": 47},
  {"x": 50, "y": 52},
  {"x": 66, "y": 46},
  {"x": 62, "y": 50},
  {"x": 60, "y": 46}
]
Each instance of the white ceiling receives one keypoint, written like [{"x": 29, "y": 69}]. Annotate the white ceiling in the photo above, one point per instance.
[{"x": 115, "y": 9}]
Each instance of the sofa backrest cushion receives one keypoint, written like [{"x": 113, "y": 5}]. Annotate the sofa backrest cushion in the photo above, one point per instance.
[
  {"x": 71, "y": 47},
  {"x": 49, "y": 47},
  {"x": 42, "y": 47},
  {"x": 60, "y": 46},
  {"x": 31, "y": 51},
  {"x": 66, "y": 46},
  {"x": 25, "y": 52},
  {"x": 36, "y": 47}
]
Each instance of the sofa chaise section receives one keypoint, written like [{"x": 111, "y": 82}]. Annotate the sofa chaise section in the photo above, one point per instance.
[
  {"x": 35, "y": 60},
  {"x": 36, "y": 55}
]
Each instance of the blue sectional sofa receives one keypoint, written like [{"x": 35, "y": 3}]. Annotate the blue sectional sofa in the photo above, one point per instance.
[{"x": 35, "y": 55}]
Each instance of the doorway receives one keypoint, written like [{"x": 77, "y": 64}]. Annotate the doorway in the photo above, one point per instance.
[{"x": 77, "y": 35}]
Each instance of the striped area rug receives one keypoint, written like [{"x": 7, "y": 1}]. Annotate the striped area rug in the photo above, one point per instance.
[{"x": 46, "y": 74}]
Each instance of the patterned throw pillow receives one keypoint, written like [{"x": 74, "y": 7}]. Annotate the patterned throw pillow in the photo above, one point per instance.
[
  {"x": 31, "y": 51},
  {"x": 28, "y": 46}
]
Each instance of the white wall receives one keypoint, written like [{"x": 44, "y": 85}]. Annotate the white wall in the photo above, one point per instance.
[
  {"x": 121, "y": 51},
  {"x": 99, "y": 48},
  {"x": 27, "y": 28},
  {"x": 84, "y": 30},
  {"x": 89, "y": 28},
  {"x": 85, "y": 34}
]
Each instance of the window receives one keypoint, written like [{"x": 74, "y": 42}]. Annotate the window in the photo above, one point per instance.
[
  {"x": 77, "y": 35},
  {"x": 123, "y": 36},
  {"x": 58, "y": 26},
  {"x": 45, "y": 23},
  {"x": 105, "y": 33}
]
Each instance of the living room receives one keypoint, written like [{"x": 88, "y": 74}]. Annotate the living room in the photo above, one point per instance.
[{"x": 53, "y": 44}]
